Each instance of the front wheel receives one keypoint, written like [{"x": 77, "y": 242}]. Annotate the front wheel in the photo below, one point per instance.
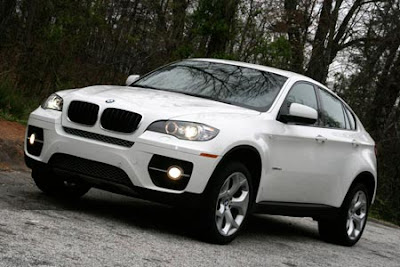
[
  {"x": 348, "y": 227},
  {"x": 228, "y": 202}
]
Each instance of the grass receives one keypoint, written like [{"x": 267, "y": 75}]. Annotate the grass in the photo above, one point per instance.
[
  {"x": 14, "y": 105},
  {"x": 388, "y": 212}
]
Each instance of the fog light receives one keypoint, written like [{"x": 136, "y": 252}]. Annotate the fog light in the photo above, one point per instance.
[
  {"x": 174, "y": 172},
  {"x": 32, "y": 139}
]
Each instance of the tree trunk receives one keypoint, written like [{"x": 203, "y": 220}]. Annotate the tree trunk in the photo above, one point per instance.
[
  {"x": 224, "y": 14},
  {"x": 178, "y": 26},
  {"x": 7, "y": 8},
  {"x": 318, "y": 65},
  {"x": 295, "y": 37},
  {"x": 386, "y": 94}
]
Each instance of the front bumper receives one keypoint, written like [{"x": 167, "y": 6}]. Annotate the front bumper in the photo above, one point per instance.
[
  {"x": 134, "y": 161},
  {"x": 184, "y": 199}
]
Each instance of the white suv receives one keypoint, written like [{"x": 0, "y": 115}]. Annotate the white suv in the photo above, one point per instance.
[{"x": 230, "y": 137}]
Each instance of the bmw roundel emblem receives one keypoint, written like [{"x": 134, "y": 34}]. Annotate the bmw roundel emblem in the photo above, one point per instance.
[{"x": 108, "y": 101}]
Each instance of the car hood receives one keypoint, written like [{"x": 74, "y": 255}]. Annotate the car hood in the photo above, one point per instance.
[{"x": 155, "y": 103}]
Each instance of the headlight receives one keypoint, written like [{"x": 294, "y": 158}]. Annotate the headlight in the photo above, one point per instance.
[
  {"x": 185, "y": 130},
  {"x": 53, "y": 102}
]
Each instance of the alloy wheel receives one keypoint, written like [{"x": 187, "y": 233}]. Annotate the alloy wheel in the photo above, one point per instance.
[
  {"x": 232, "y": 204},
  {"x": 357, "y": 215}
]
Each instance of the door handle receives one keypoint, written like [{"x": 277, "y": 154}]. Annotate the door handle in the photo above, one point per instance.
[
  {"x": 355, "y": 143},
  {"x": 320, "y": 139}
]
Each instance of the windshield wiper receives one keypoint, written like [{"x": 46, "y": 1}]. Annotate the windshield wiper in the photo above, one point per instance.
[{"x": 145, "y": 86}]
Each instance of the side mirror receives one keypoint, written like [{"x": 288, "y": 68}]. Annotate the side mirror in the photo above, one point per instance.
[
  {"x": 131, "y": 79},
  {"x": 301, "y": 114}
]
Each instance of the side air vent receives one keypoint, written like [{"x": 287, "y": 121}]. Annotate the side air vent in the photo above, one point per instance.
[
  {"x": 83, "y": 112},
  {"x": 119, "y": 120}
]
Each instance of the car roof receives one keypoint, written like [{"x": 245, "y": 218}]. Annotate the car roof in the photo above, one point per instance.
[{"x": 286, "y": 73}]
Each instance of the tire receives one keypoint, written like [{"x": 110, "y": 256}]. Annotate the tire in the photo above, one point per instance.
[
  {"x": 347, "y": 228},
  {"x": 55, "y": 186},
  {"x": 228, "y": 203}
]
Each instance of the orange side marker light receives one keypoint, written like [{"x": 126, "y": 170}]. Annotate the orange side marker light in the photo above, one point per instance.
[{"x": 209, "y": 155}]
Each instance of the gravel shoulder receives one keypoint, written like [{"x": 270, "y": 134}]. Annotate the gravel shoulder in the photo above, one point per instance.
[
  {"x": 12, "y": 136},
  {"x": 104, "y": 229}
]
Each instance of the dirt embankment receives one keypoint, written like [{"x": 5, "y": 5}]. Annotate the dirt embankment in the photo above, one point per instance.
[{"x": 12, "y": 146}]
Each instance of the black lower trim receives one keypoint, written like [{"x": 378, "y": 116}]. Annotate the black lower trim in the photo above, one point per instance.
[
  {"x": 296, "y": 209},
  {"x": 31, "y": 163},
  {"x": 191, "y": 200},
  {"x": 77, "y": 166},
  {"x": 98, "y": 137},
  {"x": 182, "y": 199}
]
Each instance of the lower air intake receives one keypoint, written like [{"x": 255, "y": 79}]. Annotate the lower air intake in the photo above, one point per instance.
[{"x": 90, "y": 168}]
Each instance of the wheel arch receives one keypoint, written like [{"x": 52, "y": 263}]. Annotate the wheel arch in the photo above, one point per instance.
[
  {"x": 250, "y": 157},
  {"x": 368, "y": 179}
]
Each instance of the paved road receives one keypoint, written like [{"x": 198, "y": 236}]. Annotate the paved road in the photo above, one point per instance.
[{"x": 104, "y": 229}]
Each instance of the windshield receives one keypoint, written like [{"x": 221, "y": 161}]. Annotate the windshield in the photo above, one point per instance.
[{"x": 241, "y": 86}]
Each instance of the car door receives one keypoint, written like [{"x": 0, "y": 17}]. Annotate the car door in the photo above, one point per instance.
[
  {"x": 339, "y": 152},
  {"x": 306, "y": 160}
]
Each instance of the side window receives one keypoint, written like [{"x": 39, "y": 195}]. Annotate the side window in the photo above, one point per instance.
[
  {"x": 332, "y": 111},
  {"x": 302, "y": 93},
  {"x": 352, "y": 121},
  {"x": 346, "y": 118}
]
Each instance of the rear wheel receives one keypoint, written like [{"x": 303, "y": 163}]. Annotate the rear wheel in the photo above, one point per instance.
[
  {"x": 228, "y": 202},
  {"x": 56, "y": 186},
  {"x": 348, "y": 227}
]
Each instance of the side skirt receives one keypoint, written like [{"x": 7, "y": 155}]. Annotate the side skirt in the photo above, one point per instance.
[{"x": 316, "y": 211}]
